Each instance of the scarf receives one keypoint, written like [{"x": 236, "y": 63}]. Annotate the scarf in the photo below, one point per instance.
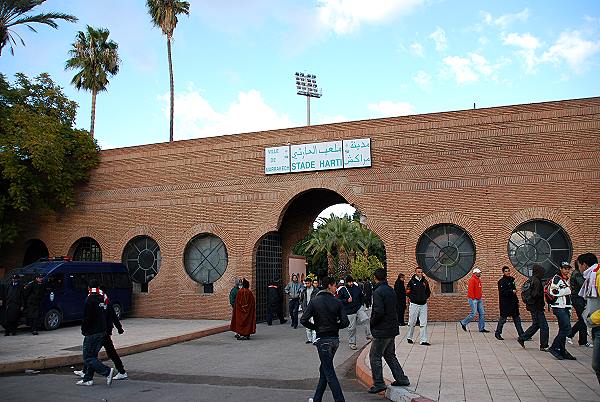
[
  {"x": 589, "y": 289},
  {"x": 98, "y": 291}
]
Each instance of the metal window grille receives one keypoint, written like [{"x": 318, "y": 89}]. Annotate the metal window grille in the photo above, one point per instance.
[
  {"x": 87, "y": 249},
  {"x": 142, "y": 258},
  {"x": 205, "y": 258}
]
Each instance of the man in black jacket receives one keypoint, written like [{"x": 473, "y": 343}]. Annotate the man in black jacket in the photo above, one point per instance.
[
  {"x": 536, "y": 308},
  {"x": 34, "y": 294},
  {"x": 12, "y": 304},
  {"x": 509, "y": 303},
  {"x": 384, "y": 327},
  {"x": 418, "y": 292},
  {"x": 93, "y": 328},
  {"x": 352, "y": 299},
  {"x": 329, "y": 317}
]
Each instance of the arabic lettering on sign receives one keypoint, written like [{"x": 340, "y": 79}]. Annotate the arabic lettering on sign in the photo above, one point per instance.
[
  {"x": 317, "y": 156},
  {"x": 357, "y": 153},
  {"x": 277, "y": 160}
]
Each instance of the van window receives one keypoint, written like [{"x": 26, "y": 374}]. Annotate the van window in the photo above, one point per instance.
[
  {"x": 81, "y": 280},
  {"x": 122, "y": 280},
  {"x": 107, "y": 280},
  {"x": 56, "y": 281}
]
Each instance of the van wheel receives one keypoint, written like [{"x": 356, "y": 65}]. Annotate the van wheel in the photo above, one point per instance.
[
  {"x": 118, "y": 310},
  {"x": 52, "y": 319}
]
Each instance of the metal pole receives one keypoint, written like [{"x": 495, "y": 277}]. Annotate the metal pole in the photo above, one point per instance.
[{"x": 308, "y": 110}]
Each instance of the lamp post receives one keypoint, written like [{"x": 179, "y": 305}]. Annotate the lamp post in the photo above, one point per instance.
[{"x": 306, "y": 85}]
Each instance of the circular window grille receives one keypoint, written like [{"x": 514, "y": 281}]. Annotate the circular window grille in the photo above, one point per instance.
[
  {"x": 205, "y": 258},
  {"x": 446, "y": 252},
  {"x": 539, "y": 242},
  {"x": 87, "y": 249},
  {"x": 141, "y": 256}
]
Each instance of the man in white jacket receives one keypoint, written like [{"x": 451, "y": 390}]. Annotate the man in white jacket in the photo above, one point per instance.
[
  {"x": 588, "y": 264},
  {"x": 560, "y": 289}
]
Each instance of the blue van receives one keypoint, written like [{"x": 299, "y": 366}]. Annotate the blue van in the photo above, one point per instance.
[{"x": 67, "y": 287}]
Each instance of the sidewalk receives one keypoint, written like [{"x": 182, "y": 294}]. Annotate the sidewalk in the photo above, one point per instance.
[
  {"x": 471, "y": 366},
  {"x": 63, "y": 346}
]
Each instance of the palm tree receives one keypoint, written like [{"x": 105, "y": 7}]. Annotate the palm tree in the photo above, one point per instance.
[
  {"x": 164, "y": 16},
  {"x": 12, "y": 14},
  {"x": 96, "y": 58}
]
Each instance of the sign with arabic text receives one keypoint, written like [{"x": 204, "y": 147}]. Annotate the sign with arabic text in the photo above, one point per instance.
[{"x": 318, "y": 156}]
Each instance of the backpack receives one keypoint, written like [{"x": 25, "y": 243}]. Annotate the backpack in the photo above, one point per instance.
[
  {"x": 526, "y": 292},
  {"x": 549, "y": 297}
]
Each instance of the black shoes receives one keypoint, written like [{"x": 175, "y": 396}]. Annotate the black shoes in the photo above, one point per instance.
[
  {"x": 555, "y": 353},
  {"x": 307, "y": 342},
  {"x": 464, "y": 327},
  {"x": 543, "y": 348},
  {"x": 402, "y": 383},
  {"x": 34, "y": 333},
  {"x": 522, "y": 343},
  {"x": 377, "y": 389},
  {"x": 409, "y": 340},
  {"x": 569, "y": 356},
  {"x": 485, "y": 331},
  {"x": 498, "y": 336}
]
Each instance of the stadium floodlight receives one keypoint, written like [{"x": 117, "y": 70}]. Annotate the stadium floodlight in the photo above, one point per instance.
[{"x": 306, "y": 85}]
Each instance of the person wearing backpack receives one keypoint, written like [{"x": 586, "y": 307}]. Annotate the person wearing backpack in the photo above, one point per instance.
[
  {"x": 534, "y": 302},
  {"x": 559, "y": 289},
  {"x": 588, "y": 263},
  {"x": 579, "y": 305},
  {"x": 509, "y": 303}
]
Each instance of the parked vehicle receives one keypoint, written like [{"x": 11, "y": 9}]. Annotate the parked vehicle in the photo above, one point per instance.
[{"x": 67, "y": 287}]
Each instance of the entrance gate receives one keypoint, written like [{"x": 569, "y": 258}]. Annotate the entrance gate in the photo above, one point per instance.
[{"x": 268, "y": 267}]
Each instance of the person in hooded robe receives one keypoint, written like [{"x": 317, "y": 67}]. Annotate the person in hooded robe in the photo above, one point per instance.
[{"x": 243, "y": 320}]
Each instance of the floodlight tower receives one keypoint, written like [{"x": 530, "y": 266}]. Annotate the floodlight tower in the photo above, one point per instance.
[{"x": 306, "y": 85}]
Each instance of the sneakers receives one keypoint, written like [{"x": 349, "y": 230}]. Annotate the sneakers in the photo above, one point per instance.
[
  {"x": 569, "y": 356},
  {"x": 307, "y": 342},
  {"x": 485, "y": 331},
  {"x": 79, "y": 373},
  {"x": 120, "y": 376},
  {"x": 498, "y": 336},
  {"x": 569, "y": 340},
  {"x": 409, "y": 340},
  {"x": 555, "y": 353},
  {"x": 85, "y": 383},
  {"x": 425, "y": 343},
  {"x": 587, "y": 345},
  {"x": 463, "y": 326},
  {"x": 352, "y": 346},
  {"x": 377, "y": 389},
  {"x": 109, "y": 378}
]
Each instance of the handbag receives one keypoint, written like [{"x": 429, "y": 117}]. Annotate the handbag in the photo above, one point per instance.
[{"x": 361, "y": 315}]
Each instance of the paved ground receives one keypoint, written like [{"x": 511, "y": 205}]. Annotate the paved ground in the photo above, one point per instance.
[{"x": 471, "y": 366}]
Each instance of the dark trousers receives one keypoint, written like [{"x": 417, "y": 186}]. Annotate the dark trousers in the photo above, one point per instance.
[
  {"x": 538, "y": 321},
  {"x": 563, "y": 315},
  {"x": 580, "y": 326},
  {"x": 294, "y": 304},
  {"x": 326, "y": 347},
  {"x": 386, "y": 348},
  {"x": 91, "y": 347},
  {"x": 112, "y": 354},
  {"x": 271, "y": 311},
  {"x": 596, "y": 353},
  {"x": 401, "y": 310},
  {"x": 34, "y": 323},
  {"x": 516, "y": 320}
]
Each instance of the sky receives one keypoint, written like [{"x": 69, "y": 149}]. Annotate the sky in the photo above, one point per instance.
[{"x": 234, "y": 61}]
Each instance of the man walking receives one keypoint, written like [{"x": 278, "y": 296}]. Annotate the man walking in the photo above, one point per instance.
[
  {"x": 474, "y": 294},
  {"x": 400, "y": 290},
  {"x": 305, "y": 297},
  {"x": 509, "y": 303},
  {"x": 274, "y": 301},
  {"x": 329, "y": 317},
  {"x": 578, "y": 302},
  {"x": 352, "y": 299},
  {"x": 93, "y": 329},
  {"x": 384, "y": 327},
  {"x": 293, "y": 290},
  {"x": 588, "y": 263},
  {"x": 536, "y": 307},
  {"x": 560, "y": 290},
  {"x": 418, "y": 292}
]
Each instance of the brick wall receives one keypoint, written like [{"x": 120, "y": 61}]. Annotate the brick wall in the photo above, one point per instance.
[{"x": 486, "y": 170}]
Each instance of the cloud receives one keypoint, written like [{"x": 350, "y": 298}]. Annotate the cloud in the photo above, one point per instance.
[
  {"x": 345, "y": 16},
  {"x": 417, "y": 49},
  {"x": 469, "y": 69},
  {"x": 388, "y": 108},
  {"x": 505, "y": 20},
  {"x": 422, "y": 79},
  {"x": 527, "y": 44},
  {"x": 572, "y": 49},
  {"x": 439, "y": 37},
  {"x": 196, "y": 118}
]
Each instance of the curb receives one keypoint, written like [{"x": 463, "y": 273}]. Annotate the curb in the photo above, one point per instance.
[
  {"x": 364, "y": 376},
  {"x": 76, "y": 358}
]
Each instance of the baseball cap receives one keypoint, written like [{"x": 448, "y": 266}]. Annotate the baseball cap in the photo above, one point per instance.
[
  {"x": 476, "y": 271},
  {"x": 565, "y": 264},
  {"x": 341, "y": 282}
]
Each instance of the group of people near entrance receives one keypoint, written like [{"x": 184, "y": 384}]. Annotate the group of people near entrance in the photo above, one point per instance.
[{"x": 18, "y": 300}]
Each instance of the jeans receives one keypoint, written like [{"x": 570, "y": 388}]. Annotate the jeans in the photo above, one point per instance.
[
  {"x": 352, "y": 329},
  {"x": 516, "y": 321},
  {"x": 580, "y": 326},
  {"x": 538, "y": 321},
  {"x": 91, "y": 346},
  {"x": 326, "y": 347},
  {"x": 417, "y": 312},
  {"x": 564, "y": 327},
  {"x": 112, "y": 354},
  {"x": 596, "y": 353},
  {"x": 385, "y": 347},
  {"x": 294, "y": 304},
  {"x": 476, "y": 308}
]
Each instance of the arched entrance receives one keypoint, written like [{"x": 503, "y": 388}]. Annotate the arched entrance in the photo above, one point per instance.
[{"x": 36, "y": 249}]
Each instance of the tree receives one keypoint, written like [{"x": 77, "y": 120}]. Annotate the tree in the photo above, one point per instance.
[
  {"x": 96, "y": 58},
  {"x": 42, "y": 157},
  {"x": 363, "y": 267},
  {"x": 12, "y": 13},
  {"x": 164, "y": 16}
]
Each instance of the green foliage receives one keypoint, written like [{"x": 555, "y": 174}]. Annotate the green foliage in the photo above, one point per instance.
[
  {"x": 164, "y": 13},
  {"x": 42, "y": 157},
  {"x": 363, "y": 267}
]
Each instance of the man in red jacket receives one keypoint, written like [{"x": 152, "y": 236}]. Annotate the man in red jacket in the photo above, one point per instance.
[{"x": 475, "y": 302}]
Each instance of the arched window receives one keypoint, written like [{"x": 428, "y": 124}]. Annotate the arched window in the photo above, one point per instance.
[
  {"x": 141, "y": 256},
  {"x": 87, "y": 249}
]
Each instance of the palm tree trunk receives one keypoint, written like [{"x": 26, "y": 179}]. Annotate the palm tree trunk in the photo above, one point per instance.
[
  {"x": 330, "y": 263},
  {"x": 172, "y": 89},
  {"x": 93, "y": 122}
]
